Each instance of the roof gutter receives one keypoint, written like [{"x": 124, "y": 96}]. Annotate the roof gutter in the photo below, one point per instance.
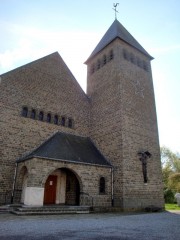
[{"x": 63, "y": 160}]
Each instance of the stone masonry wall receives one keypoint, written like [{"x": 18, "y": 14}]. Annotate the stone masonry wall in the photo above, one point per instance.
[
  {"x": 87, "y": 175},
  {"x": 123, "y": 122},
  {"x": 44, "y": 85},
  {"x": 139, "y": 132},
  {"x": 106, "y": 130}
]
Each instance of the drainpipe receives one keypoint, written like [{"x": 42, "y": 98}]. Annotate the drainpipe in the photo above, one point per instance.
[
  {"x": 112, "y": 187},
  {"x": 14, "y": 182}
]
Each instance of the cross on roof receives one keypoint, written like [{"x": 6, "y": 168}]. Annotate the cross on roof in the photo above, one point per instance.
[{"x": 115, "y": 6}]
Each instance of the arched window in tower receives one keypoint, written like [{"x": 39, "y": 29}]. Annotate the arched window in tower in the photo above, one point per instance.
[
  {"x": 132, "y": 59},
  {"x": 56, "y": 119},
  {"x": 92, "y": 69},
  {"x": 104, "y": 60},
  {"x": 33, "y": 114},
  {"x": 145, "y": 66},
  {"x": 63, "y": 121},
  {"x": 41, "y": 115},
  {"x": 70, "y": 123},
  {"x": 139, "y": 62},
  {"x": 24, "y": 112},
  {"x": 125, "y": 54},
  {"x": 102, "y": 185},
  {"x": 48, "y": 118},
  {"x": 98, "y": 64},
  {"x": 111, "y": 55}
]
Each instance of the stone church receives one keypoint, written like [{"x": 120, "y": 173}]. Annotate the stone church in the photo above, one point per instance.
[{"x": 60, "y": 145}]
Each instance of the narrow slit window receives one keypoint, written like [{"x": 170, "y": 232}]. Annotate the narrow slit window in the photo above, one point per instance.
[
  {"x": 92, "y": 69},
  {"x": 41, "y": 116},
  {"x": 111, "y": 55},
  {"x": 125, "y": 54},
  {"x": 132, "y": 58},
  {"x": 102, "y": 185},
  {"x": 145, "y": 66},
  {"x": 56, "y": 119},
  {"x": 48, "y": 117},
  {"x": 98, "y": 64},
  {"x": 104, "y": 60},
  {"x": 139, "y": 62},
  {"x": 63, "y": 121},
  {"x": 70, "y": 123}
]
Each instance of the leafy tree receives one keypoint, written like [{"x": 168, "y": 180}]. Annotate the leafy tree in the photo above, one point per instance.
[
  {"x": 169, "y": 196},
  {"x": 170, "y": 159},
  {"x": 171, "y": 173},
  {"x": 166, "y": 172},
  {"x": 174, "y": 182}
]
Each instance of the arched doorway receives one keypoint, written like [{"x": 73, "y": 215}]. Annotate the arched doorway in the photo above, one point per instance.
[{"x": 62, "y": 187}]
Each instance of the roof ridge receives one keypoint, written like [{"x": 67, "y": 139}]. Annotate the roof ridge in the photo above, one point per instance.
[
  {"x": 30, "y": 153},
  {"x": 32, "y": 62}
]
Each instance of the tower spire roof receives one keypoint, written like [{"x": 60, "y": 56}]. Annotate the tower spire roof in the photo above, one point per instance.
[{"x": 117, "y": 30}]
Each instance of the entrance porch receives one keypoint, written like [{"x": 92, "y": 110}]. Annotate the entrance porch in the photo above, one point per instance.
[
  {"x": 46, "y": 182},
  {"x": 66, "y": 170}
]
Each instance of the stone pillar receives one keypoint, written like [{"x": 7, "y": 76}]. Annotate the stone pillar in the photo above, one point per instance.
[
  {"x": 62, "y": 195},
  {"x": 61, "y": 187}
]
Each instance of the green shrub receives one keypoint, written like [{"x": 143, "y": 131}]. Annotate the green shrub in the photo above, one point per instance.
[{"x": 169, "y": 196}]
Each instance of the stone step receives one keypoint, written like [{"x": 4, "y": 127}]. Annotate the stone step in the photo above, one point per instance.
[
  {"x": 4, "y": 209},
  {"x": 51, "y": 210},
  {"x": 72, "y": 208},
  {"x": 48, "y": 212}
]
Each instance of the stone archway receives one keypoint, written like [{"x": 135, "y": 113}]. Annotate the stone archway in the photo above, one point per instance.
[{"x": 62, "y": 187}]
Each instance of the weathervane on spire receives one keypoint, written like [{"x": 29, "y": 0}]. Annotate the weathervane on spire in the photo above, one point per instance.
[{"x": 115, "y": 6}]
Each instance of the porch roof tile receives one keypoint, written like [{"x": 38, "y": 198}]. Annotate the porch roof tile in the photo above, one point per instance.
[{"x": 67, "y": 147}]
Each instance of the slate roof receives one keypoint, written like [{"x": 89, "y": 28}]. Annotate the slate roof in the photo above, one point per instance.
[
  {"x": 117, "y": 30},
  {"x": 68, "y": 147}
]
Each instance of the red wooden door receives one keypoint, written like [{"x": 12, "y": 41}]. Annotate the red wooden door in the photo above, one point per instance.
[{"x": 50, "y": 190}]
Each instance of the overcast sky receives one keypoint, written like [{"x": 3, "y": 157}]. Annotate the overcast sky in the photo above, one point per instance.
[{"x": 31, "y": 29}]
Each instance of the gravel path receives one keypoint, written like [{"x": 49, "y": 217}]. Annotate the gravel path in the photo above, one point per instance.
[{"x": 165, "y": 225}]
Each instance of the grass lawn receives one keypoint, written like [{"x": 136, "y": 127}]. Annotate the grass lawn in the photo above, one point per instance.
[{"x": 171, "y": 206}]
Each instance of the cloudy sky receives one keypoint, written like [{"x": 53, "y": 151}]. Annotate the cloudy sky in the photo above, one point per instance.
[{"x": 31, "y": 29}]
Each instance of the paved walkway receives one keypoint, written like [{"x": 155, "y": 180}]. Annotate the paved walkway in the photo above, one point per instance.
[{"x": 165, "y": 225}]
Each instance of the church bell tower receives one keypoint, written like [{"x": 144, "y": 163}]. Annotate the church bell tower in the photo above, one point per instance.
[{"x": 123, "y": 117}]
